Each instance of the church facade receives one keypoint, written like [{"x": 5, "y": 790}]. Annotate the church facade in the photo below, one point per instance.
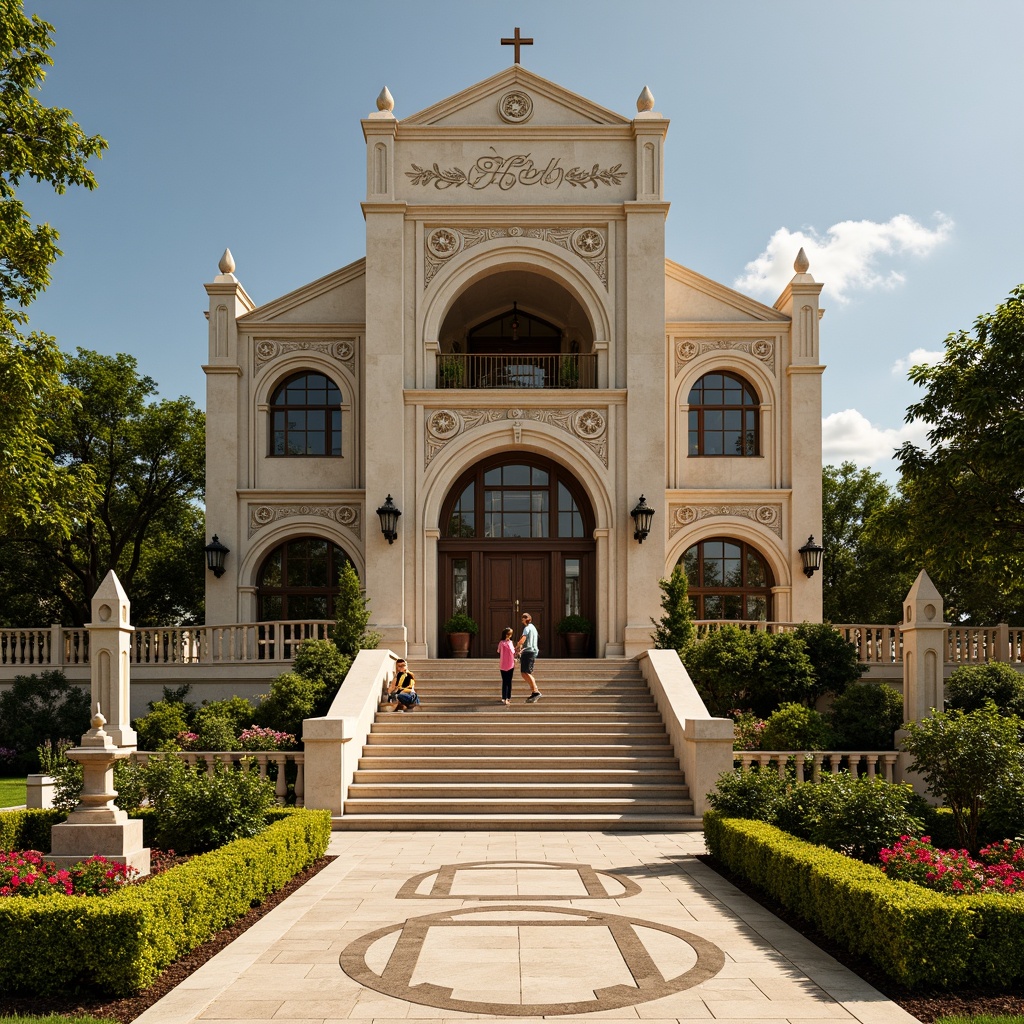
[{"x": 512, "y": 366}]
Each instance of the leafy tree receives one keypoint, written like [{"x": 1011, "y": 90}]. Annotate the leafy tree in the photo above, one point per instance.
[
  {"x": 964, "y": 756},
  {"x": 352, "y": 616},
  {"x": 970, "y": 686},
  {"x": 833, "y": 657},
  {"x": 40, "y": 708},
  {"x": 321, "y": 662},
  {"x": 965, "y": 489},
  {"x": 675, "y": 631},
  {"x": 865, "y": 573},
  {"x": 165, "y": 720},
  {"x": 292, "y": 699},
  {"x": 865, "y": 717},
  {"x": 794, "y": 726},
  {"x": 148, "y": 460}
]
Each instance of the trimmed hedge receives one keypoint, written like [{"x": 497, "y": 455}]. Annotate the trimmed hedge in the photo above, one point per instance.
[
  {"x": 917, "y": 936},
  {"x": 119, "y": 944},
  {"x": 28, "y": 829}
]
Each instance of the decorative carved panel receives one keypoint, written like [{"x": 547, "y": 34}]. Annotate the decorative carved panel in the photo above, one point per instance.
[
  {"x": 768, "y": 515},
  {"x": 588, "y": 425},
  {"x": 342, "y": 351},
  {"x": 589, "y": 244},
  {"x": 262, "y": 514},
  {"x": 760, "y": 348},
  {"x": 505, "y": 172}
]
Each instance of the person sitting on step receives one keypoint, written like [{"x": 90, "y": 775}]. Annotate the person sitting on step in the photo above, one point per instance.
[{"x": 403, "y": 688}]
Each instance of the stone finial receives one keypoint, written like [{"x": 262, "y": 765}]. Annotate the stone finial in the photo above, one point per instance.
[
  {"x": 98, "y": 721},
  {"x": 227, "y": 263},
  {"x": 385, "y": 101},
  {"x": 645, "y": 101},
  {"x": 801, "y": 264}
]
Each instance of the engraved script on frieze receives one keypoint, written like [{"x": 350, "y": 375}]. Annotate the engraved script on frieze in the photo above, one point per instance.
[{"x": 518, "y": 169}]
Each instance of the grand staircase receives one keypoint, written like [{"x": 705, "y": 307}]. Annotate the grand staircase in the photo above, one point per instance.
[{"x": 592, "y": 754}]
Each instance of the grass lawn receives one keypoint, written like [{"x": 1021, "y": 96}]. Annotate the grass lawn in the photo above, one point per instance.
[
  {"x": 12, "y": 792},
  {"x": 981, "y": 1019}
]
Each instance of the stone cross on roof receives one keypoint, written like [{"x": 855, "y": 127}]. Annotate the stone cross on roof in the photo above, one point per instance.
[{"x": 517, "y": 42}]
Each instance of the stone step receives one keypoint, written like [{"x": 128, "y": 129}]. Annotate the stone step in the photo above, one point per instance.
[
  {"x": 419, "y": 822},
  {"x": 520, "y": 746},
  {"x": 406, "y": 761},
  {"x": 412, "y": 804},
  {"x": 509, "y": 788},
  {"x": 503, "y": 772},
  {"x": 413, "y": 725}
]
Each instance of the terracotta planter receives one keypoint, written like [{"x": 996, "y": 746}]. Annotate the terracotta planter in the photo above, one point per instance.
[
  {"x": 459, "y": 644},
  {"x": 576, "y": 644}
]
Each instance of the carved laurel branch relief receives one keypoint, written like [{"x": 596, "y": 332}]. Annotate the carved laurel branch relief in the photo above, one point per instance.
[
  {"x": 589, "y": 425},
  {"x": 681, "y": 516},
  {"x": 343, "y": 351},
  {"x": 588, "y": 244},
  {"x": 262, "y": 514},
  {"x": 759, "y": 348}
]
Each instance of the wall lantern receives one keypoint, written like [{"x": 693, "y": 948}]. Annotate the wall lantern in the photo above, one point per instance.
[
  {"x": 215, "y": 555},
  {"x": 389, "y": 520},
  {"x": 642, "y": 515},
  {"x": 811, "y": 555}
]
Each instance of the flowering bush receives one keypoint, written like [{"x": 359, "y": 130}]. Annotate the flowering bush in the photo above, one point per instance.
[
  {"x": 747, "y": 730},
  {"x": 258, "y": 738},
  {"x": 187, "y": 740},
  {"x": 7, "y": 758},
  {"x": 27, "y": 874},
  {"x": 955, "y": 872}
]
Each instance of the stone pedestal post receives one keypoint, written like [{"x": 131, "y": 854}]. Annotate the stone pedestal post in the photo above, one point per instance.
[{"x": 109, "y": 648}]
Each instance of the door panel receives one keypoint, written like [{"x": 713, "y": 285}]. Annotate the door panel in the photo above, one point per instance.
[
  {"x": 513, "y": 583},
  {"x": 499, "y": 597}
]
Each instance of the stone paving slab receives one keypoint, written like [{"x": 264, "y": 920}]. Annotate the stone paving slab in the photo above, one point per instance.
[{"x": 521, "y": 926}]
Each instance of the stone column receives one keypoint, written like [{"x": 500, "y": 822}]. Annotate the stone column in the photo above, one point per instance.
[{"x": 109, "y": 647}]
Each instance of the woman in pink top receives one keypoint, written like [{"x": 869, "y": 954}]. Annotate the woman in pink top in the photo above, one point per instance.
[{"x": 506, "y": 664}]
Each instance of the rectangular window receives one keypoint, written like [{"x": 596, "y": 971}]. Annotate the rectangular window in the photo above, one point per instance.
[
  {"x": 460, "y": 586},
  {"x": 573, "y": 604}
]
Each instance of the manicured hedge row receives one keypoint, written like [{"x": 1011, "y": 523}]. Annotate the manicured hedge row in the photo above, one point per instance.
[
  {"x": 120, "y": 943},
  {"x": 28, "y": 829},
  {"x": 918, "y": 937}
]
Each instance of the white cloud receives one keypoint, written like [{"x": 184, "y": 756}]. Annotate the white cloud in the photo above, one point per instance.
[
  {"x": 849, "y": 435},
  {"x": 916, "y": 358},
  {"x": 852, "y": 255}
]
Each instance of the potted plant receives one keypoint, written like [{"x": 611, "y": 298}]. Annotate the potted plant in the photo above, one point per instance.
[
  {"x": 569, "y": 372},
  {"x": 450, "y": 372},
  {"x": 576, "y": 629},
  {"x": 460, "y": 627}
]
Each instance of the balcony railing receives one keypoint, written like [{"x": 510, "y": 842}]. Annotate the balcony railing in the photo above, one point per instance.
[{"x": 517, "y": 371}]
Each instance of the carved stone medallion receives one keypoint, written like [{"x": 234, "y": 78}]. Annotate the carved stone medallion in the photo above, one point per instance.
[
  {"x": 342, "y": 351},
  {"x": 263, "y": 514},
  {"x": 443, "y": 243},
  {"x": 770, "y": 516},
  {"x": 515, "y": 107},
  {"x": 762, "y": 349}
]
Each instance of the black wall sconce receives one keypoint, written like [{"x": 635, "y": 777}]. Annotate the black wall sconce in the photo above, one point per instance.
[
  {"x": 811, "y": 555},
  {"x": 215, "y": 555},
  {"x": 389, "y": 514},
  {"x": 642, "y": 515}
]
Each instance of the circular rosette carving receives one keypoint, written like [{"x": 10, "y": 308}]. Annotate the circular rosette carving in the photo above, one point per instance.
[
  {"x": 762, "y": 348},
  {"x": 685, "y": 515},
  {"x": 266, "y": 350},
  {"x": 588, "y": 242},
  {"x": 443, "y": 243},
  {"x": 515, "y": 414},
  {"x": 767, "y": 515},
  {"x": 346, "y": 515},
  {"x": 444, "y": 424},
  {"x": 263, "y": 514},
  {"x": 515, "y": 107},
  {"x": 515, "y": 232},
  {"x": 686, "y": 349},
  {"x": 343, "y": 351},
  {"x": 588, "y": 423}
]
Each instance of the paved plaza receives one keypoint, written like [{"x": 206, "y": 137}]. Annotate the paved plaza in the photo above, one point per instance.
[{"x": 520, "y": 925}]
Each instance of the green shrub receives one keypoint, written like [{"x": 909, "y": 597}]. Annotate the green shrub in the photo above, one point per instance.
[
  {"x": 675, "y": 631},
  {"x": 237, "y": 711},
  {"x": 833, "y": 658},
  {"x": 352, "y": 616},
  {"x": 28, "y": 829},
  {"x": 865, "y": 717},
  {"x": 40, "y": 708},
  {"x": 795, "y": 727},
  {"x": 129, "y": 781},
  {"x": 120, "y": 943},
  {"x": 916, "y": 936},
  {"x": 198, "y": 811},
  {"x": 215, "y": 733},
  {"x": 292, "y": 698},
  {"x": 969, "y": 686},
  {"x": 749, "y": 793},
  {"x": 322, "y": 663},
  {"x": 165, "y": 720},
  {"x": 857, "y": 817},
  {"x": 1002, "y": 814}
]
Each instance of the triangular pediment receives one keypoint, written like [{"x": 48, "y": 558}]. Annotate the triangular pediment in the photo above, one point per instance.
[
  {"x": 338, "y": 297},
  {"x": 551, "y": 104},
  {"x": 690, "y": 297}
]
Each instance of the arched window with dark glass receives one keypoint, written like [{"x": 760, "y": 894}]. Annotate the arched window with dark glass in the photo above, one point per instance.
[
  {"x": 305, "y": 416},
  {"x": 299, "y": 580},
  {"x": 728, "y": 579},
  {"x": 723, "y": 417}
]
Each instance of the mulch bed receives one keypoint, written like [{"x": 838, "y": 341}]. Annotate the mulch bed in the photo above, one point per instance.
[
  {"x": 127, "y": 1009},
  {"x": 925, "y": 1004}
]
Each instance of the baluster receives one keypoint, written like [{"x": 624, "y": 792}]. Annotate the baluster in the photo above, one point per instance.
[
  {"x": 783, "y": 761},
  {"x": 872, "y": 761},
  {"x": 300, "y": 779},
  {"x": 281, "y": 789},
  {"x": 262, "y": 760},
  {"x": 817, "y": 758}
]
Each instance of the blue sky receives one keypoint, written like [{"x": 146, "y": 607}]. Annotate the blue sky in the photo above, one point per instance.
[{"x": 886, "y": 137}]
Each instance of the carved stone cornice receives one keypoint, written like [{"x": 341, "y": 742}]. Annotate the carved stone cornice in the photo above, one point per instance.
[
  {"x": 344, "y": 352},
  {"x": 264, "y": 513},
  {"x": 588, "y": 425},
  {"x": 768, "y": 515},
  {"x": 760, "y": 348},
  {"x": 589, "y": 244}
]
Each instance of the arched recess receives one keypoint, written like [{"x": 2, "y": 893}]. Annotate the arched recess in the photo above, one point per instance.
[{"x": 516, "y": 534}]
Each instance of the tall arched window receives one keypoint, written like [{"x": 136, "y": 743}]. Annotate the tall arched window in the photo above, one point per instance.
[
  {"x": 299, "y": 580},
  {"x": 723, "y": 418},
  {"x": 728, "y": 579},
  {"x": 305, "y": 416}
]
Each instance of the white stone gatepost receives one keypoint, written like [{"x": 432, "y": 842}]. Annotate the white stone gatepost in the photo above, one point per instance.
[{"x": 109, "y": 648}]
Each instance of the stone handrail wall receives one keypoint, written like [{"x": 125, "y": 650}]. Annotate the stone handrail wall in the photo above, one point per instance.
[
  {"x": 874, "y": 763},
  {"x": 234, "y": 758}
]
